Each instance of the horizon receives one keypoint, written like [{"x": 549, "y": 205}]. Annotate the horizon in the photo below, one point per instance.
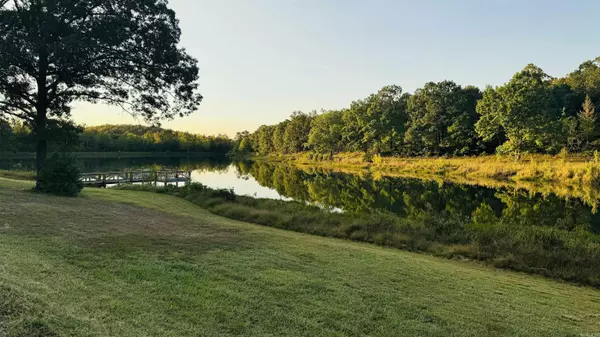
[{"x": 260, "y": 62}]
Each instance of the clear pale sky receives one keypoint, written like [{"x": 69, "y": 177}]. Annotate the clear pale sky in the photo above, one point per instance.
[{"x": 260, "y": 60}]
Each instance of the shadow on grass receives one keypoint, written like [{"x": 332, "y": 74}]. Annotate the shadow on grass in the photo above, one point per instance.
[
  {"x": 20, "y": 316},
  {"x": 167, "y": 254}
]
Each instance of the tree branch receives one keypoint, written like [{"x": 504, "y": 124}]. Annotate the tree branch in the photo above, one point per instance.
[{"x": 8, "y": 112}]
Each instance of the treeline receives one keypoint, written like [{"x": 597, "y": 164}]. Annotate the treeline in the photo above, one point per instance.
[
  {"x": 531, "y": 113},
  {"x": 17, "y": 137}
]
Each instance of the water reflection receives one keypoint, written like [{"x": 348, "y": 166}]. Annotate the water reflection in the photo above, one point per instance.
[
  {"x": 100, "y": 164},
  {"x": 406, "y": 197},
  {"x": 229, "y": 177}
]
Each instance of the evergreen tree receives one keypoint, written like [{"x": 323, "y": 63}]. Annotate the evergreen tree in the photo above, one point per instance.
[{"x": 587, "y": 121}]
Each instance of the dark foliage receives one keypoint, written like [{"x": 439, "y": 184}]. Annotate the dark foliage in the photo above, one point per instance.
[
  {"x": 113, "y": 138},
  {"x": 61, "y": 176},
  {"x": 123, "y": 52}
]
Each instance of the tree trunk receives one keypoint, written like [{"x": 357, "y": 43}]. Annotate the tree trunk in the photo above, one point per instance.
[
  {"x": 41, "y": 147},
  {"x": 41, "y": 118}
]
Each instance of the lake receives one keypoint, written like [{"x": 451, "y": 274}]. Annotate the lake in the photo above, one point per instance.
[{"x": 406, "y": 197}]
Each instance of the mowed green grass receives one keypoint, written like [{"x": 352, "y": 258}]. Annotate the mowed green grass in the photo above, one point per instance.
[{"x": 127, "y": 263}]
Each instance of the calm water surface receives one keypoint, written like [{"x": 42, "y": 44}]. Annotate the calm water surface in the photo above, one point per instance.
[{"x": 406, "y": 197}]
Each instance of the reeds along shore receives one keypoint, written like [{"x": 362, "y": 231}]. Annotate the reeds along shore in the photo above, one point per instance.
[{"x": 567, "y": 170}]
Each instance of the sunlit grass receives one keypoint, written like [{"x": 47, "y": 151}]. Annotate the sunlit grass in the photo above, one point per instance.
[
  {"x": 17, "y": 174},
  {"x": 551, "y": 251},
  {"x": 127, "y": 263}
]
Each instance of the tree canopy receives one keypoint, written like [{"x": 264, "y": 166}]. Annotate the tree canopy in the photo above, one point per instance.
[
  {"x": 524, "y": 109},
  {"x": 121, "y": 52},
  {"x": 117, "y": 138},
  {"x": 531, "y": 113}
]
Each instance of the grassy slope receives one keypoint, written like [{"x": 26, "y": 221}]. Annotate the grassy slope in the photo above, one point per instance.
[{"x": 160, "y": 266}]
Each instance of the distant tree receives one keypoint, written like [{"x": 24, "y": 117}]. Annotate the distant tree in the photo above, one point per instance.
[
  {"x": 120, "y": 52},
  {"x": 462, "y": 137},
  {"x": 585, "y": 81},
  {"x": 525, "y": 110},
  {"x": 376, "y": 124},
  {"x": 296, "y": 132},
  {"x": 138, "y": 138},
  {"x": 279, "y": 137},
  {"x": 587, "y": 121},
  {"x": 568, "y": 99},
  {"x": 265, "y": 139},
  {"x": 442, "y": 119},
  {"x": 326, "y": 132},
  {"x": 242, "y": 142},
  {"x": 489, "y": 127},
  {"x": 245, "y": 145},
  {"x": 573, "y": 137}
]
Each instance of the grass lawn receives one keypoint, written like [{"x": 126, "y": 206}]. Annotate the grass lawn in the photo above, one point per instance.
[{"x": 128, "y": 263}]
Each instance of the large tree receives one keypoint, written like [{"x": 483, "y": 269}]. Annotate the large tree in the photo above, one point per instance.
[
  {"x": 326, "y": 132},
  {"x": 279, "y": 137},
  {"x": 265, "y": 139},
  {"x": 525, "y": 110},
  {"x": 118, "y": 52},
  {"x": 376, "y": 123},
  {"x": 442, "y": 119},
  {"x": 296, "y": 133},
  {"x": 585, "y": 81}
]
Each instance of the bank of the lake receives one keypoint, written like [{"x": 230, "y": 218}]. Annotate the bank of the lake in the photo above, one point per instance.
[
  {"x": 570, "y": 170},
  {"x": 568, "y": 251},
  {"x": 527, "y": 230},
  {"x": 131, "y": 263}
]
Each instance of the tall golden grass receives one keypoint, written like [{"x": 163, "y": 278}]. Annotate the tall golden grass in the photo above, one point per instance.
[{"x": 567, "y": 176}]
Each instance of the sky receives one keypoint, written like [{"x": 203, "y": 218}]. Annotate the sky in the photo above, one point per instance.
[{"x": 261, "y": 60}]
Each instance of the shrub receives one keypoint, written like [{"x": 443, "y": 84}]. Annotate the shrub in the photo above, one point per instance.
[
  {"x": 196, "y": 188},
  {"x": 563, "y": 154},
  {"x": 61, "y": 176},
  {"x": 223, "y": 193}
]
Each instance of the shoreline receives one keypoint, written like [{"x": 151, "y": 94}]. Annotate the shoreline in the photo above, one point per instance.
[
  {"x": 63, "y": 267},
  {"x": 485, "y": 238}
]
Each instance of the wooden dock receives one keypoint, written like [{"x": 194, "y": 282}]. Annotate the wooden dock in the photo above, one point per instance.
[{"x": 104, "y": 179}]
